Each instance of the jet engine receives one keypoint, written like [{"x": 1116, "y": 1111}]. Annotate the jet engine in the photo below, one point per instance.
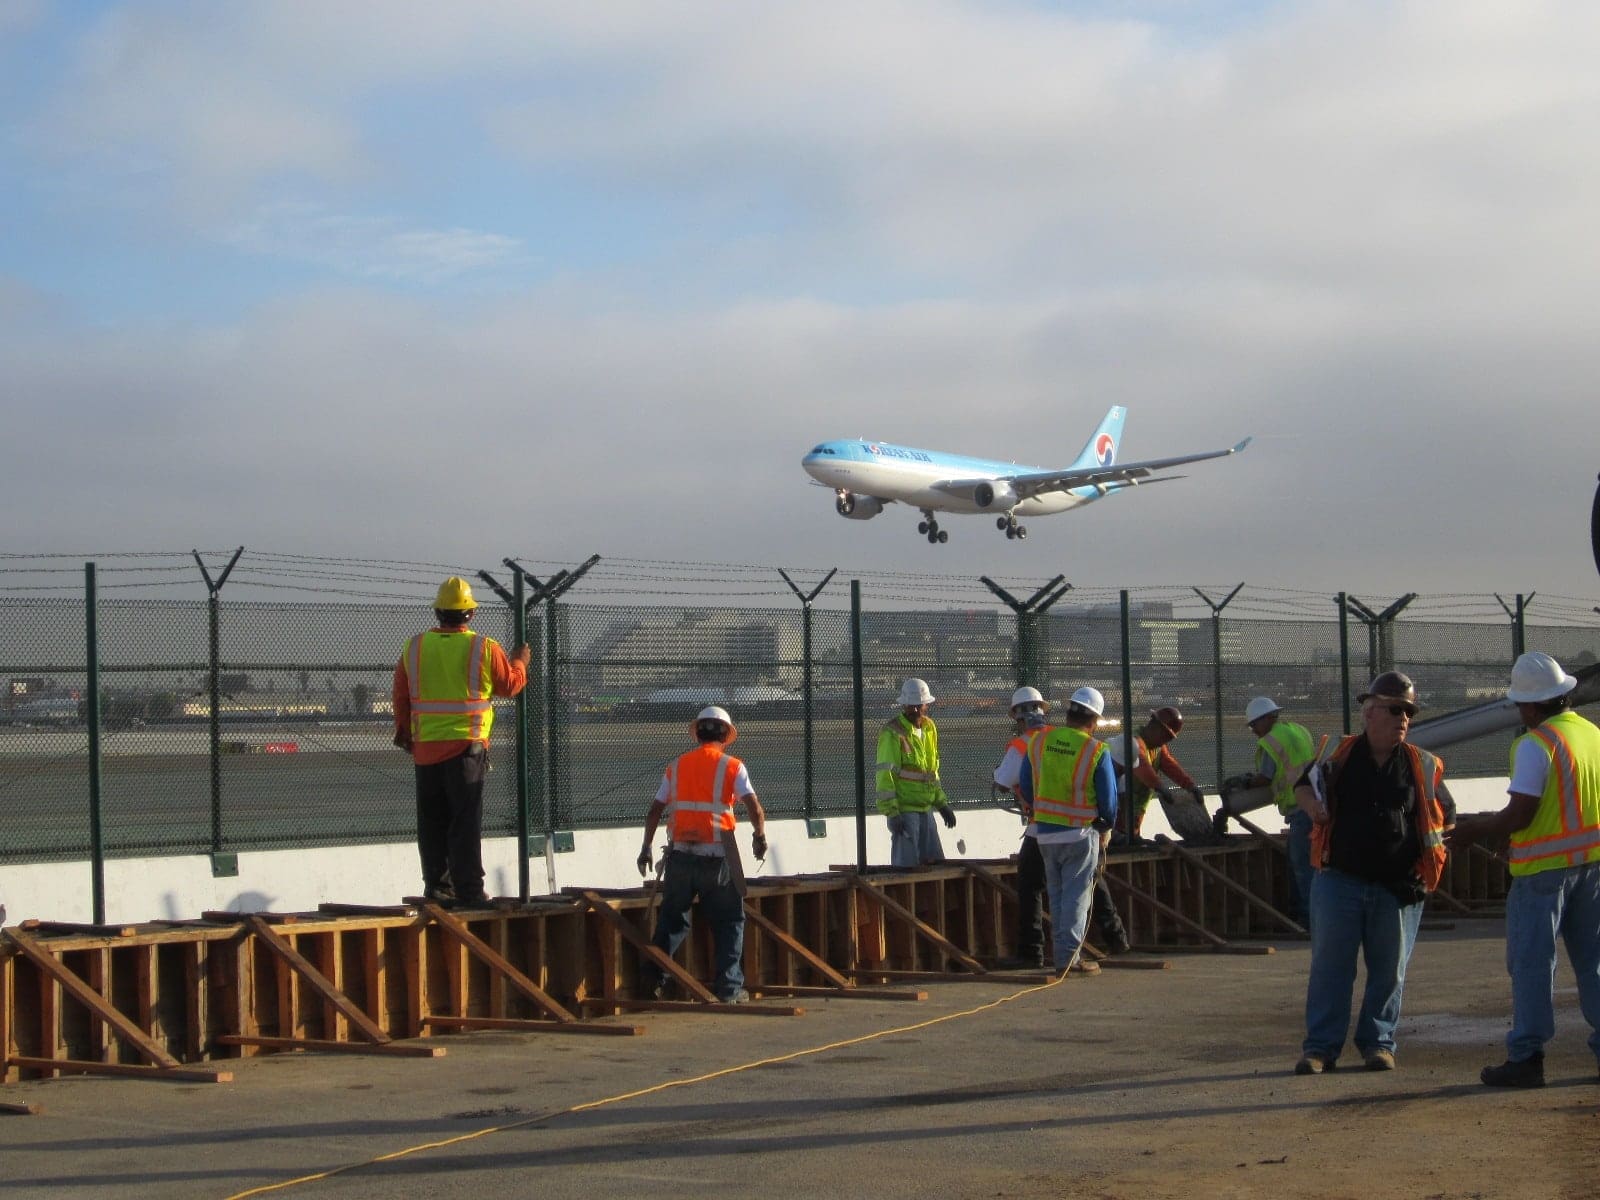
[
  {"x": 987, "y": 495},
  {"x": 857, "y": 508}
]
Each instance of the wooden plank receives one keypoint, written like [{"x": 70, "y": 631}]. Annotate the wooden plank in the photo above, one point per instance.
[
  {"x": 71, "y": 1066},
  {"x": 796, "y": 948},
  {"x": 367, "y": 910},
  {"x": 848, "y": 992},
  {"x": 414, "y": 963},
  {"x": 7, "y": 993},
  {"x": 1210, "y": 872},
  {"x": 359, "y": 1021},
  {"x": 654, "y": 953},
  {"x": 49, "y": 928},
  {"x": 374, "y": 966},
  {"x": 497, "y": 963},
  {"x": 331, "y": 963},
  {"x": 102, "y": 1048},
  {"x": 890, "y": 975},
  {"x": 522, "y": 1024},
  {"x": 694, "y": 1006},
  {"x": 927, "y": 932},
  {"x": 395, "y": 1049},
  {"x": 1166, "y": 910},
  {"x": 196, "y": 1001},
  {"x": 125, "y": 1029},
  {"x": 17, "y": 1109}
]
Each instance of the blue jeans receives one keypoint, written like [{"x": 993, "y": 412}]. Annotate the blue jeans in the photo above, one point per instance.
[
  {"x": 1349, "y": 915},
  {"x": 1565, "y": 901},
  {"x": 1301, "y": 871},
  {"x": 689, "y": 876},
  {"x": 1069, "y": 879},
  {"x": 914, "y": 840}
]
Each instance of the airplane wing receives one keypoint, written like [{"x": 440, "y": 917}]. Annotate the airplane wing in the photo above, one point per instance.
[{"x": 1034, "y": 483}]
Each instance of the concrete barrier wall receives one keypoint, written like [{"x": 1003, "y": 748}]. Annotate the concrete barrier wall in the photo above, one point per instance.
[{"x": 182, "y": 887}]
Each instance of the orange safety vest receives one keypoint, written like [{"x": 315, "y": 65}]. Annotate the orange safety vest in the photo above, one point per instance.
[
  {"x": 1427, "y": 770},
  {"x": 452, "y": 686},
  {"x": 700, "y": 793}
]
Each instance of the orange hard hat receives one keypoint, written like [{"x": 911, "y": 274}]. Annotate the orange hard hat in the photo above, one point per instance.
[{"x": 1169, "y": 718}]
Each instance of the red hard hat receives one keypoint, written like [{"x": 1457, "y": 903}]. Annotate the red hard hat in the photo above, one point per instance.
[{"x": 1169, "y": 718}]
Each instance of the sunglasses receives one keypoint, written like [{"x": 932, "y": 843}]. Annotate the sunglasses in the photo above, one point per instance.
[{"x": 1397, "y": 710}]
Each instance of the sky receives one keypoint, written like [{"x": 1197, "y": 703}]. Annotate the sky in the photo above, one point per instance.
[{"x": 451, "y": 282}]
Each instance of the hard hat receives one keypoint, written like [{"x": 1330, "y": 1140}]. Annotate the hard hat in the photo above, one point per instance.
[
  {"x": 914, "y": 691},
  {"x": 715, "y": 712},
  {"x": 1087, "y": 697},
  {"x": 1536, "y": 677},
  {"x": 1027, "y": 695},
  {"x": 1261, "y": 706},
  {"x": 1392, "y": 685},
  {"x": 454, "y": 596},
  {"x": 1169, "y": 718}
]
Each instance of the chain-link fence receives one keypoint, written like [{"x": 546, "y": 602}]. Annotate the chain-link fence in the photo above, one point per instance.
[{"x": 232, "y": 724}]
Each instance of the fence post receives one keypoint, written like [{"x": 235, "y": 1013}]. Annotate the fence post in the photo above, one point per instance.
[
  {"x": 858, "y": 692},
  {"x": 91, "y": 716},
  {"x": 1216, "y": 667},
  {"x": 1127, "y": 717},
  {"x": 1344, "y": 659},
  {"x": 1032, "y": 667},
  {"x": 1380, "y": 631},
  {"x": 219, "y": 866},
  {"x": 1519, "y": 632},
  {"x": 814, "y": 829}
]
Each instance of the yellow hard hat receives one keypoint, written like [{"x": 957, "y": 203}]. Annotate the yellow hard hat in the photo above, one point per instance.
[{"x": 455, "y": 596}]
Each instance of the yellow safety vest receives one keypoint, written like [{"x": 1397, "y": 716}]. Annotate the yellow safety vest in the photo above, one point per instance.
[
  {"x": 1565, "y": 831},
  {"x": 908, "y": 768},
  {"x": 1289, "y": 747},
  {"x": 452, "y": 686},
  {"x": 1063, "y": 761}
]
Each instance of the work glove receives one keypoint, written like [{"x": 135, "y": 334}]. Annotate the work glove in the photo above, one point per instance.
[
  {"x": 948, "y": 816},
  {"x": 1236, "y": 783},
  {"x": 402, "y": 738},
  {"x": 897, "y": 825},
  {"x": 643, "y": 862},
  {"x": 758, "y": 846}
]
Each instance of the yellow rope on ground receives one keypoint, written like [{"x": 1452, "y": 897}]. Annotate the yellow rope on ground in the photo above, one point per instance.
[{"x": 634, "y": 1095}]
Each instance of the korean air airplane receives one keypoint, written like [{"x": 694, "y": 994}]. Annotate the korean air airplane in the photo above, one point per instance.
[{"x": 865, "y": 476}]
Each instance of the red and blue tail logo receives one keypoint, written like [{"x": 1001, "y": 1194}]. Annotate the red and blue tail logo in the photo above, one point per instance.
[{"x": 1105, "y": 448}]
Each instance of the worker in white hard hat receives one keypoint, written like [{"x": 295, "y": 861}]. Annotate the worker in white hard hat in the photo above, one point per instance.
[
  {"x": 701, "y": 788},
  {"x": 444, "y": 686},
  {"x": 1283, "y": 751},
  {"x": 1029, "y": 710},
  {"x": 1069, "y": 793},
  {"x": 1552, "y": 825},
  {"x": 908, "y": 787}
]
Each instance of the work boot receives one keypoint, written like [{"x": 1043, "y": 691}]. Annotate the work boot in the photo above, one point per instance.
[
  {"x": 1314, "y": 1064},
  {"x": 439, "y": 893},
  {"x": 1021, "y": 962},
  {"x": 737, "y": 996},
  {"x": 1528, "y": 1073},
  {"x": 1380, "y": 1060},
  {"x": 1118, "y": 944}
]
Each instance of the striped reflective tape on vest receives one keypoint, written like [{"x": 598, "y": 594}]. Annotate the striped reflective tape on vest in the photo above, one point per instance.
[{"x": 912, "y": 775}]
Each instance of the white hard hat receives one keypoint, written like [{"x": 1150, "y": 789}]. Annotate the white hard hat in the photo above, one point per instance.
[
  {"x": 914, "y": 691},
  {"x": 1087, "y": 697},
  {"x": 1261, "y": 706},
  {"x": 714, "y": 712},
  {"x": 1536, "y": 677},
  {"x": 1027, "y": 695}
]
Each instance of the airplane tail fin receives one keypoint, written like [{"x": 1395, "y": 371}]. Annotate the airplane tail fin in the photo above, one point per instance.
[{"x": 1101, "y": 449}]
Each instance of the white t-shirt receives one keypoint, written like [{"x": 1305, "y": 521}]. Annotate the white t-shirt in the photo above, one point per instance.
[{"x": 1530, "y": 769}]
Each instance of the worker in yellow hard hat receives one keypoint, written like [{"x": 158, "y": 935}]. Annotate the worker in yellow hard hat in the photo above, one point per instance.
[{"x": 444, "y": 687}]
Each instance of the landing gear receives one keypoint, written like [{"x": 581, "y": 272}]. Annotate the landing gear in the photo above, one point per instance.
[
  {"x": 1009, "y": 524},
  {"x": 929, "y": 526}
]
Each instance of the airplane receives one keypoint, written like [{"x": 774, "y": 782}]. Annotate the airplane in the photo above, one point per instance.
[{"x": 865, "y": 476}]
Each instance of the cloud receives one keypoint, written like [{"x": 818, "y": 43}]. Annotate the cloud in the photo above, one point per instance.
[{"x": 372, "y": 247}]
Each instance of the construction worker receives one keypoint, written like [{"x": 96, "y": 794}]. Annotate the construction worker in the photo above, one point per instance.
[
  {"x": 1152, "y": 758},
  {"x": 909, "y": 792},
  {"x": 1283, "y": 751},
  {"x": 1379, "y": 809},
  {"x": 443, "y": 711},
  {"x": 1553, "y": 825},
  {"x": 1069, "y": 794},
  {"x": 1028, "y": 713},
  {"x": 701, "y": 788}
]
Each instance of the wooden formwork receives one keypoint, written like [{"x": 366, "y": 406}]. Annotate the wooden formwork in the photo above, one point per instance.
[{"x": 149, "y": 998}]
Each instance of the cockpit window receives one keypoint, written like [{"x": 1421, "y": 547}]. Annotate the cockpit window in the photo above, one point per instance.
[{"x": 823, "y": 449}]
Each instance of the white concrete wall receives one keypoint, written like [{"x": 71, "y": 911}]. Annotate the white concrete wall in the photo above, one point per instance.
[{"x": 297, "y": 880}]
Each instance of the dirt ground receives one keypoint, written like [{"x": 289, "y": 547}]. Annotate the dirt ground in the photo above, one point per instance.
[{"x": 1132, "y": 1084}]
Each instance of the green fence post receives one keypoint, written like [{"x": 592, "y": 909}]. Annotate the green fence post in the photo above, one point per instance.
[
  {"x": 219, "y": 864},
  {"x": 552, "y": 700},
  {"x": 814, "y": 828},
  {"x": 97, "y": 848},
  {"x": 519, "y": 636},
  {"x": 1344, "y": 658},
  {"x": 858, "y": 691},
  {"x": 1032, "y": 667},
  {"x": 1127, "y": 715},
  {"x": 1216, "y": 668}
]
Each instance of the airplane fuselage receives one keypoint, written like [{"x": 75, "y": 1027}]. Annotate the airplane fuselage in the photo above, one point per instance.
[{"x": 907, "y": 475}]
